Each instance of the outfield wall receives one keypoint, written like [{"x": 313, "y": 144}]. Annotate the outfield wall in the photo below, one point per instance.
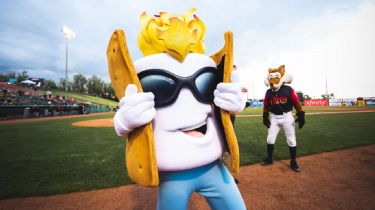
[
  {"x": 20, "y": 111},
  {"x": 369, "y": 101}
]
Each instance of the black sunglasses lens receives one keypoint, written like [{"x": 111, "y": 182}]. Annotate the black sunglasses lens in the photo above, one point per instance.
[
  {"x": 206, "y": 84},
  {"x": 161, "y": 86}
]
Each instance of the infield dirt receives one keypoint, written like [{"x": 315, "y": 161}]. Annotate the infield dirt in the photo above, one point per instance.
[{"x": 343, "y": 179}]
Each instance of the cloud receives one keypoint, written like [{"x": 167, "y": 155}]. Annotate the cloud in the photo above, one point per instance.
[
  {"x": 317, "y": 37},
  {"x": 338, "y": 45},
  {"x": 39, "y": 73}
]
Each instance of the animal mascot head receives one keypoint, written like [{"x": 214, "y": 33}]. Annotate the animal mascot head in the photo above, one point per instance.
[
  {"x": 277, "y": 77},
  {"x": 187, "y": 130}
]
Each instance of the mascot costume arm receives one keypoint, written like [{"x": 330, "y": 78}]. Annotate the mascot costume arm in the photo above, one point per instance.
[
  {"x": 300, "y": 113},
  {"x": 224, "y": 61},
  {"x": 140, "y": 149}
]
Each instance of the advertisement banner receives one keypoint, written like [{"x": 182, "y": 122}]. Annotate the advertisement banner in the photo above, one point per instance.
[
  {"x": 369, "y": 98},
  {"x": 316, "y": 102},
  {"x": 335, "y": 104},
  {"x": 349, "y": 101},
  {"x": 335, "y": 100},
  {"x": 256, "y": 103}
]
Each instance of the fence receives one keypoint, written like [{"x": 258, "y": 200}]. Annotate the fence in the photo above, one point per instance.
[
  {"x": 370, "y": 101},
  {"x": 27, "y": 111}
]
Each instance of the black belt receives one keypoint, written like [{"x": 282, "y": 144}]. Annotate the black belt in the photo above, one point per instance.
[{"x": 280, "y": 113}]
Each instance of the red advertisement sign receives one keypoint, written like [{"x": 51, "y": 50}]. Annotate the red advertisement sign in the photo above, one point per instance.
[{"x": 316, "y": 102}]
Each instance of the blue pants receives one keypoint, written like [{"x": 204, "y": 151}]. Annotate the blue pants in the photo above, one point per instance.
[{"x": 213, "y": 181}]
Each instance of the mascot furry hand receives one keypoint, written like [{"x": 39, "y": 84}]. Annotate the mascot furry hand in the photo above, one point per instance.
[{"x": 175, "y": 106}]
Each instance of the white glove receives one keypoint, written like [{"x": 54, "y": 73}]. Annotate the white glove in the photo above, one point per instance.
[
  {"x": 228, "y": 95},
  {"x": 136, "y": 109}
]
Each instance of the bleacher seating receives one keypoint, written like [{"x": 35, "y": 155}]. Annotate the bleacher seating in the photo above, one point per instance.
[{"x": 23, "y": 102}]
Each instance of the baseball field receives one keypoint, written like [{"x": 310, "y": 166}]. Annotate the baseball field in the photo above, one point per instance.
[{"x": 57, "y": 156}]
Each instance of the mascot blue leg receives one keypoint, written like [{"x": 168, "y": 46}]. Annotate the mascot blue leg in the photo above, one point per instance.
[{"x": 212, "y": 181}]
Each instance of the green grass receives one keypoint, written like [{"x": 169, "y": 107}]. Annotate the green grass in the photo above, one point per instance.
[
  {"x": 84, "y": 97},
  {"x": 320, "y": 134},
  {"x": 259, "y": 110},
  {"x": 51, "y": 157},
  {"x": 42, "y": 158}
]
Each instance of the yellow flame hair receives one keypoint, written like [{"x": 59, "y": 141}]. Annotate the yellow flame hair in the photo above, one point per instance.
[{"x": 174, "y": 34}]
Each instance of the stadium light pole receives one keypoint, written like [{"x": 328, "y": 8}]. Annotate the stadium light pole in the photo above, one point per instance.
[
  {"x": 69, "y": 34},
  {"x": 326, "y": 85}
]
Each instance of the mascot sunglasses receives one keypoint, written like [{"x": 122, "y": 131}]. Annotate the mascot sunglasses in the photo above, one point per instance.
[{"x": 166, "y": 86}]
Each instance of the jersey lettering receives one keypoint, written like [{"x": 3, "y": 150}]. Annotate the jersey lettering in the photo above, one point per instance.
[{"x": 278, "y": 100}]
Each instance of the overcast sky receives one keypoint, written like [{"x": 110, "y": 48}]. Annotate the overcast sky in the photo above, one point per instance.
[{"x": 317, "y": 40}]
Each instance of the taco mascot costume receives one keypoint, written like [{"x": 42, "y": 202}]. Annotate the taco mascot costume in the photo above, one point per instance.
[
  {"x": 175, "y": 106},
  {"x": 280, "y": 100}
]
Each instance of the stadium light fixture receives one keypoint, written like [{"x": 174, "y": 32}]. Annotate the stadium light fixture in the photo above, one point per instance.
[{"x": 69, "y": 34}]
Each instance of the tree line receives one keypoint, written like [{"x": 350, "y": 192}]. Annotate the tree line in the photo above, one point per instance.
[{"x": 93, "y": 85}]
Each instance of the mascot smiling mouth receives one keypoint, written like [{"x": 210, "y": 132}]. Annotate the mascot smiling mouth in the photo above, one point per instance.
[{"x": 196, "y": 132}]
